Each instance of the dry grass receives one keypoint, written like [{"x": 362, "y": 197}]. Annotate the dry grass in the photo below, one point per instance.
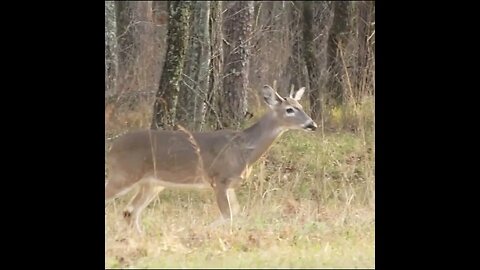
[
  {"x": 286, "y": 234},
  {"x": 309, "y": 202}
]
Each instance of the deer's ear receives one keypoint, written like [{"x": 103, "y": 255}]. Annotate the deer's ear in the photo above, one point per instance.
[
  {"x": 298, "y": 95},
  {"x": 271, "y": 97}
]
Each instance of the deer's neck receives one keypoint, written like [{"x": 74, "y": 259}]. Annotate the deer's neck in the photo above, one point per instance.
[{"x": 260, "y": 136}]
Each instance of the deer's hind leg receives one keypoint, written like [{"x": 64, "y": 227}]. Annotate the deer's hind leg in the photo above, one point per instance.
[
  {"x": 116, "y": 187},
  {"x": 146, "y": 193}
]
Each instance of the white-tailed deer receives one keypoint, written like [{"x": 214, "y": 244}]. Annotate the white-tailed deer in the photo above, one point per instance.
[{"x": 154, "y": 160}]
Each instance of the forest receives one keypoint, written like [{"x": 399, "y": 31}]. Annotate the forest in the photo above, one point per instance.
[{"x": 200, "y": 66}]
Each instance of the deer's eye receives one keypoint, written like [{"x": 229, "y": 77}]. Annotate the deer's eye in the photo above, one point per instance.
[{"x": 289, "y": 110}]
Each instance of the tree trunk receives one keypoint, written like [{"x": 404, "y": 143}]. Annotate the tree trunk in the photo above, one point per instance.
[
  {"x": 238, "y": 27},
  {"x": 110, "y": 48},
  {"x": 216, "y": 66},
  {"x": 164, "y": 109},
  {"x": 194, "y": 86},
  {"x": 203, "y": 75},
  {"x": 133, "y": 34},
  {"x": 364, "y": 18},
  {"x": 144, "y": 36},
  {"x": 186, "y": 103},
  {"x": 125, "y": 14},
  {"x": 294, "y": 70},
  {"x": 336, "y": 40},
  {"x": 311, "y": 62}
]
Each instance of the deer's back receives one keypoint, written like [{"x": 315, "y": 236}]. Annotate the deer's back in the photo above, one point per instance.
[{"x": 176, "y": 156}]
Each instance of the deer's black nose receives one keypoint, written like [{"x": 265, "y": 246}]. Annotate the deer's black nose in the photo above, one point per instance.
[{"x": 311, "y": 126}]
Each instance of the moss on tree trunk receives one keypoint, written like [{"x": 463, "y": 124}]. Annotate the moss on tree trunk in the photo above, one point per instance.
[
  {"x": 164, "y": 109},
  {"x": 196, "y": 68}
]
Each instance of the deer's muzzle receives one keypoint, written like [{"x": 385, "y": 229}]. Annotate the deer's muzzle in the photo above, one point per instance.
[{"x": 311, "y": 126}]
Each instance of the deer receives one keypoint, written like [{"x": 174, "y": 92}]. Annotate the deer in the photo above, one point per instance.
[{"x": 220, "y": 160}]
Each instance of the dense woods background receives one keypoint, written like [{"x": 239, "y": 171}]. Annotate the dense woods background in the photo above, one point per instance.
[{"x": 200, "y": 64}]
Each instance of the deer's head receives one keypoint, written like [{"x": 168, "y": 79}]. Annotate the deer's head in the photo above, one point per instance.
[{"x": 288, "y": 110}]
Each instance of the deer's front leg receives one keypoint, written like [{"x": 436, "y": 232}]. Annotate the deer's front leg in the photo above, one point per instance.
[
  {"x": 227, "y": 203},
  {"x": 221, "y": 194}
]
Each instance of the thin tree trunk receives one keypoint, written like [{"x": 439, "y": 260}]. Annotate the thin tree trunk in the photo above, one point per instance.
[
  {"x": 311, "y": 62},
  {"x": 363, "y": 9},
  {"x": 144, "y": 37},
  {"x": 336, "y": 38},
  {"x": 216, "y": 66},
  {"x": 125, "y": 15},
  {"x": 111, "y": 61},
  {"x": 134, "y": 34},
  {"x": 294, "y": 70}
]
